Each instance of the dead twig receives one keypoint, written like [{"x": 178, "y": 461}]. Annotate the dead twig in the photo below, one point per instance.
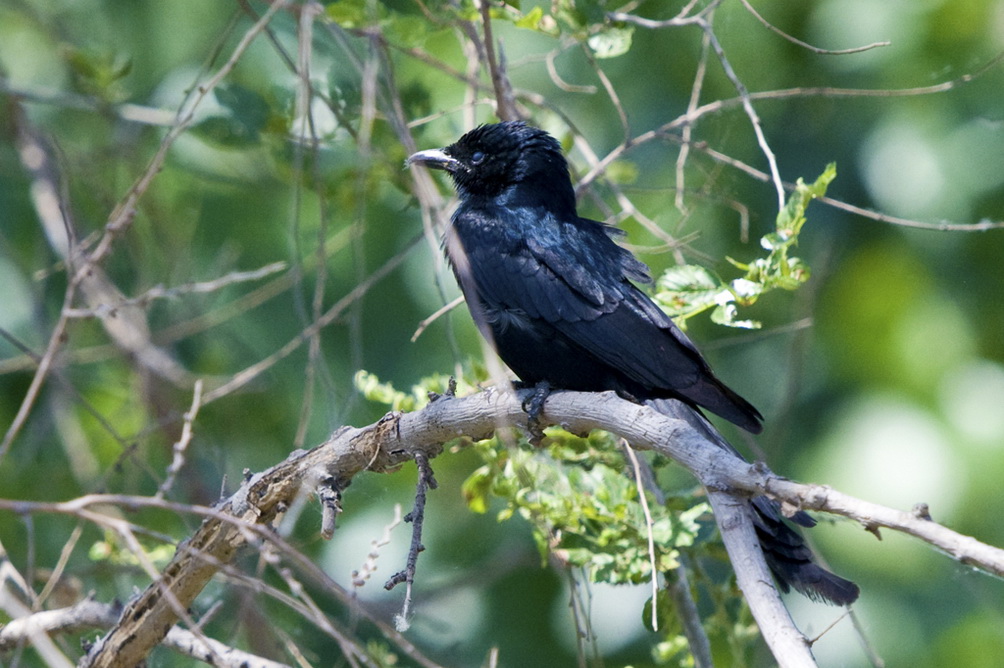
[{"x": 426, "y": 481}]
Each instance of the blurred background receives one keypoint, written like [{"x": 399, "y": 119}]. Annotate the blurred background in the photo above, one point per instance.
[{"x": 882, "y": 376}]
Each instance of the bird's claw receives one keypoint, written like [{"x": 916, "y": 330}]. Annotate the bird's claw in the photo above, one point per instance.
[{"x": 534, "y": 406}]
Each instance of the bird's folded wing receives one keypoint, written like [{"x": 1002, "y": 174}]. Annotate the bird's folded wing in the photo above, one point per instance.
[{"x": 579, "y": 286}]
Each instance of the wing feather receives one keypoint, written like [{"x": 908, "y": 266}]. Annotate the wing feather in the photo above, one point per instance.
[{"x": 577, "y": 280}]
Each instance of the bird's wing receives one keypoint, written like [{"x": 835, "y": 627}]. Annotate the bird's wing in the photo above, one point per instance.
[
  {"x": 631, "y": 333},
  {"x": 510, "y": 271},
  {"x": 650, "y": 351},
  {"x": 574, "y": 277}
]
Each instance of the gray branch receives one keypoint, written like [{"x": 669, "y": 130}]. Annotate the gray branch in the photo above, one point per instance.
[{"x": 396, "y": 438}]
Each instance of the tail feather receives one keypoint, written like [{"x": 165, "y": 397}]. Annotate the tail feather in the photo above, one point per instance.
[
  {"x": 791, "y": 560},
  {"x": 787, "y": 555},
  {"x": 718, "y": 398}
]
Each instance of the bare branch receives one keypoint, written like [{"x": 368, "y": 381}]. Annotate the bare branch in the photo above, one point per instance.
[
  {"x": 396, "y": 438},
  {"x": 679, "y": 590},
  {"x": 683, "y": 18},
  {"x": 181, "y": 445},
  {"x": 441, "y": 311},
  {"x": 944, "y": 226},
  {"x": 747, "y": 103},
  {"x": 242, "y": 378},
  {"x": 505, "y": 102},
  {"x": 118, "y": 222},
  {"x": 805, "y": 45},
  {"x": 200, "y": 287},
  {"x": 552, "y": 71},
  {"x": 363, "y": 574},
  {"x": 640, "y": 486},
  {"x": 688, "y": 128},
  {"x": 611, "y": 92},
  {"x": 426, "y": 481},
  {"x": 735, "y": 523}
]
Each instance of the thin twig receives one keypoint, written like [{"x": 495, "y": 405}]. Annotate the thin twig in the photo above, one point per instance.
[
  {"x": 681, "y": 19},
  {"x": 945, "y": 226},
  {"x": 805, "y": 45},
  {"x": 441, "y": 311},
  {"x": 747, "y": 104},
  {"x": 121, "y": 219},
  {"x": 252, "y": 299},
  {"x": 181, "y": 445},
  {"x": 242, "y": 378},
  {"x": 678, "y": 586},
  {"x": 688, "y": 128},
  {"x": 89, "y": 614},
  {"x": 611, "y": 92},
  {"x": 579, "y": 604},
  {"x": 426, "y": 481},
  {"x": 552, "y": 71},
  {"x": 505, "y": 102},
  {"x": 201, "y": 287},
  {"x": 643, "y": 500},
  {"x": 361, "y": 576}
]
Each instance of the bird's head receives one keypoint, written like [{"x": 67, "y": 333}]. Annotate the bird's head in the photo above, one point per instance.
[{"x": 491, "y": 159}]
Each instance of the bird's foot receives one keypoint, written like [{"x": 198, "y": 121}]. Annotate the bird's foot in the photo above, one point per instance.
[{"x": 534, "y": 406}]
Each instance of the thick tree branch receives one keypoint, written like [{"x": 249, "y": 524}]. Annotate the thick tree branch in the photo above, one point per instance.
[
  {"x": 735, "y": 524},
  {"x": 396, "y": 438}
]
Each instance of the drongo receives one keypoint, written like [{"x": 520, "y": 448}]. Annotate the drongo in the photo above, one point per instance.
[{"x": 558, "y": 299}]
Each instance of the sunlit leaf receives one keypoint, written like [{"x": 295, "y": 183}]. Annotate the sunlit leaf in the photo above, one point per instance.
[{"x": 611, "y": 42}]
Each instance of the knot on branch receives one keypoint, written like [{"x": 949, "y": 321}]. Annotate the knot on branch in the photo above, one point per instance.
[
  {"x": 329, "y": 493},
  {"x": 816, "y": 497},
  {"x": 381, "y": 438},
  {"x": 921, "y": 511}
]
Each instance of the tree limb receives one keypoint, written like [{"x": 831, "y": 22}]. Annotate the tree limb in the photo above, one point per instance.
[
  {"x": 396, "y": 438},
  {"x": 735, "y": 524}
]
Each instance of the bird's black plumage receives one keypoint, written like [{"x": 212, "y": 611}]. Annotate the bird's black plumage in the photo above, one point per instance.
[
  {"x": 554, "y": 292},
  {"x": 558, "y": 299}
]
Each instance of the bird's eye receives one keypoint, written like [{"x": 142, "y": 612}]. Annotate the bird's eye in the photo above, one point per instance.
[{"x": 477, "y": 158}]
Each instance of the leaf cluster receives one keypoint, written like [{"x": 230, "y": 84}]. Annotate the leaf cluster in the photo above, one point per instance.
[{"x": 688, "y": 290}]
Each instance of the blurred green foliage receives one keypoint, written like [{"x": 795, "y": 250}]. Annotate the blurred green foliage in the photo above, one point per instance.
[{"x": 883, "y": 375}]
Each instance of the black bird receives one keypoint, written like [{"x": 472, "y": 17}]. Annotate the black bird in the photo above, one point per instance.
[{"x": 556, "y": 297}]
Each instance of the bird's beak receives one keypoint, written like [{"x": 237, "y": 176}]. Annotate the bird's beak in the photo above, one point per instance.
[{"x": 435, "y": 158}]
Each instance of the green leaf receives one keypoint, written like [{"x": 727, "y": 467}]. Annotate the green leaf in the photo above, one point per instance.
[
  {"x": 791, "y": 218},
  {"x": 347, "y": 13},
  {"x": 477, "y": 488},
  {"x": 688, "y": 278},
  {"x": 371, "y": 388},
  {"x": 582, "y": 505},
  {"x": 438, "y": 384},
  {"x": 687, "y": 290},
  {"x": 99, "y": 74},
  {"x": 406, "y": 31},
  {"x": 531, "y": 20},
  {"x": 611, "y": 42},
  {"x": 726, "y": 314}
]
